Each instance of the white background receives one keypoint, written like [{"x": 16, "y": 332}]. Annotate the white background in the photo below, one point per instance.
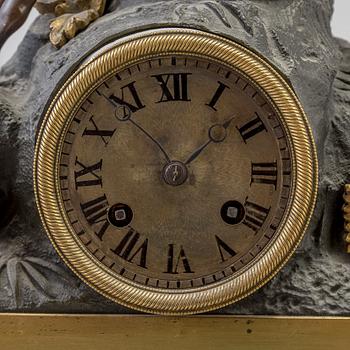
[{"x": 340, "y": 28}]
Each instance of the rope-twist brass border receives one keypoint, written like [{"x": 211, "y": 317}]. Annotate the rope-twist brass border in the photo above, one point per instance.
[{"x": 81, "y": 83}]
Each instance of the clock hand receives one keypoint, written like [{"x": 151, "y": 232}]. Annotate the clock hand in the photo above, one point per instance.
[
  {"x": 127, "y": 114},
  {"x": 153, "y": 139},
  {"x": 217, "y": 133},
  {"x": 197, "y": 152},
  {"x": 227, "y": 123}
]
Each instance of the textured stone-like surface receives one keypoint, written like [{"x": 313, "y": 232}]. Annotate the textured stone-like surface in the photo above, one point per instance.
[{"x": 295, "y": 35}]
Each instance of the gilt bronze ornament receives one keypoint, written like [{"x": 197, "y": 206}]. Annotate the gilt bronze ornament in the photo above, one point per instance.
[{"x": 72, "y": 16}]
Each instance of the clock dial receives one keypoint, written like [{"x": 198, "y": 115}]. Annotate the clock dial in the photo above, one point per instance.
[{"x": 176, "y": 172}]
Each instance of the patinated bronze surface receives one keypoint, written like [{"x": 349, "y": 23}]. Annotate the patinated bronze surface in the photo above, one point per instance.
[{"x": 346, "y": 209}]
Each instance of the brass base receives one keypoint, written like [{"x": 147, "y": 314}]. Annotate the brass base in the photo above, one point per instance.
[{"x": 73, "y": 332}]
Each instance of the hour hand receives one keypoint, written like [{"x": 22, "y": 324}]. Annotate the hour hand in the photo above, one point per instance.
[{"x": 217, "y": 133}]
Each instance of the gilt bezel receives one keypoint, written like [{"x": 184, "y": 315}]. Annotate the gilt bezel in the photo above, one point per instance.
[{"x": 92, "y": 73}]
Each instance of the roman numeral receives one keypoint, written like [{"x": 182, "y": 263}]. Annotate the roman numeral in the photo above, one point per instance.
[
  {"x": 129, "y": 98},
  {"x": 174, "y": 86},
  {"x": 104, "y": 134},
  {"x": 264, "y": 173},
  {"x": 174, "y": 262},
  {"x": 217, "y": 95},
  {"x": 252, "y": 128},
  {"x": 87, "y": 172},
  {"x": 95, "y": 212},
  {"x": 255, "y": 215},
  {"x": 129, "y": 249},
  {"x": 226, "y": 252}
]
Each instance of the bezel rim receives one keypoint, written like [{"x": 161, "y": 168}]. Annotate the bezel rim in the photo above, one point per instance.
[{"x": 94, "y": 71}]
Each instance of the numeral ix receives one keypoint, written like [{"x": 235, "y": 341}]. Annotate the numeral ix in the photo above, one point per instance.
[{"x": 87, "y": 176}]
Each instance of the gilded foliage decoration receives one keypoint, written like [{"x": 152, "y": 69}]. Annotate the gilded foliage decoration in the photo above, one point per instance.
[{"x": 72, "y": 16}]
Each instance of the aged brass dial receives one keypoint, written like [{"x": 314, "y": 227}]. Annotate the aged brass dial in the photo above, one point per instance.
[{"x": 178, "y": 171}]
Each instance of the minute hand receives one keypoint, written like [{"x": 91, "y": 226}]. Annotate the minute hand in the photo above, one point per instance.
[
  {"x": 127, "y": 115},
  {"x": 153, "y": 139},
  {"x": 216, "y": 133}
]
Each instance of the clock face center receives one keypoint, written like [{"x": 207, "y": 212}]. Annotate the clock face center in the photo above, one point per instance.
[{"x": 175, "y": 173}]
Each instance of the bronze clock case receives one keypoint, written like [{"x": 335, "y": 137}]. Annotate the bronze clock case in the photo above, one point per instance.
[{"x": 175, "y": 171}]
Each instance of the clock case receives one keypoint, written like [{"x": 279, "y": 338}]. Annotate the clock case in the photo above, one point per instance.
[{"x": 103, "y": 65}]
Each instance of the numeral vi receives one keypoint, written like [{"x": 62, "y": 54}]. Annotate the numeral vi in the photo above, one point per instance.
[{"x": 177, "y": 261}]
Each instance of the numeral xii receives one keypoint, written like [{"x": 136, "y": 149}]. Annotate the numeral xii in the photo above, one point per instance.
[{"x": 174, "y": 86}]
